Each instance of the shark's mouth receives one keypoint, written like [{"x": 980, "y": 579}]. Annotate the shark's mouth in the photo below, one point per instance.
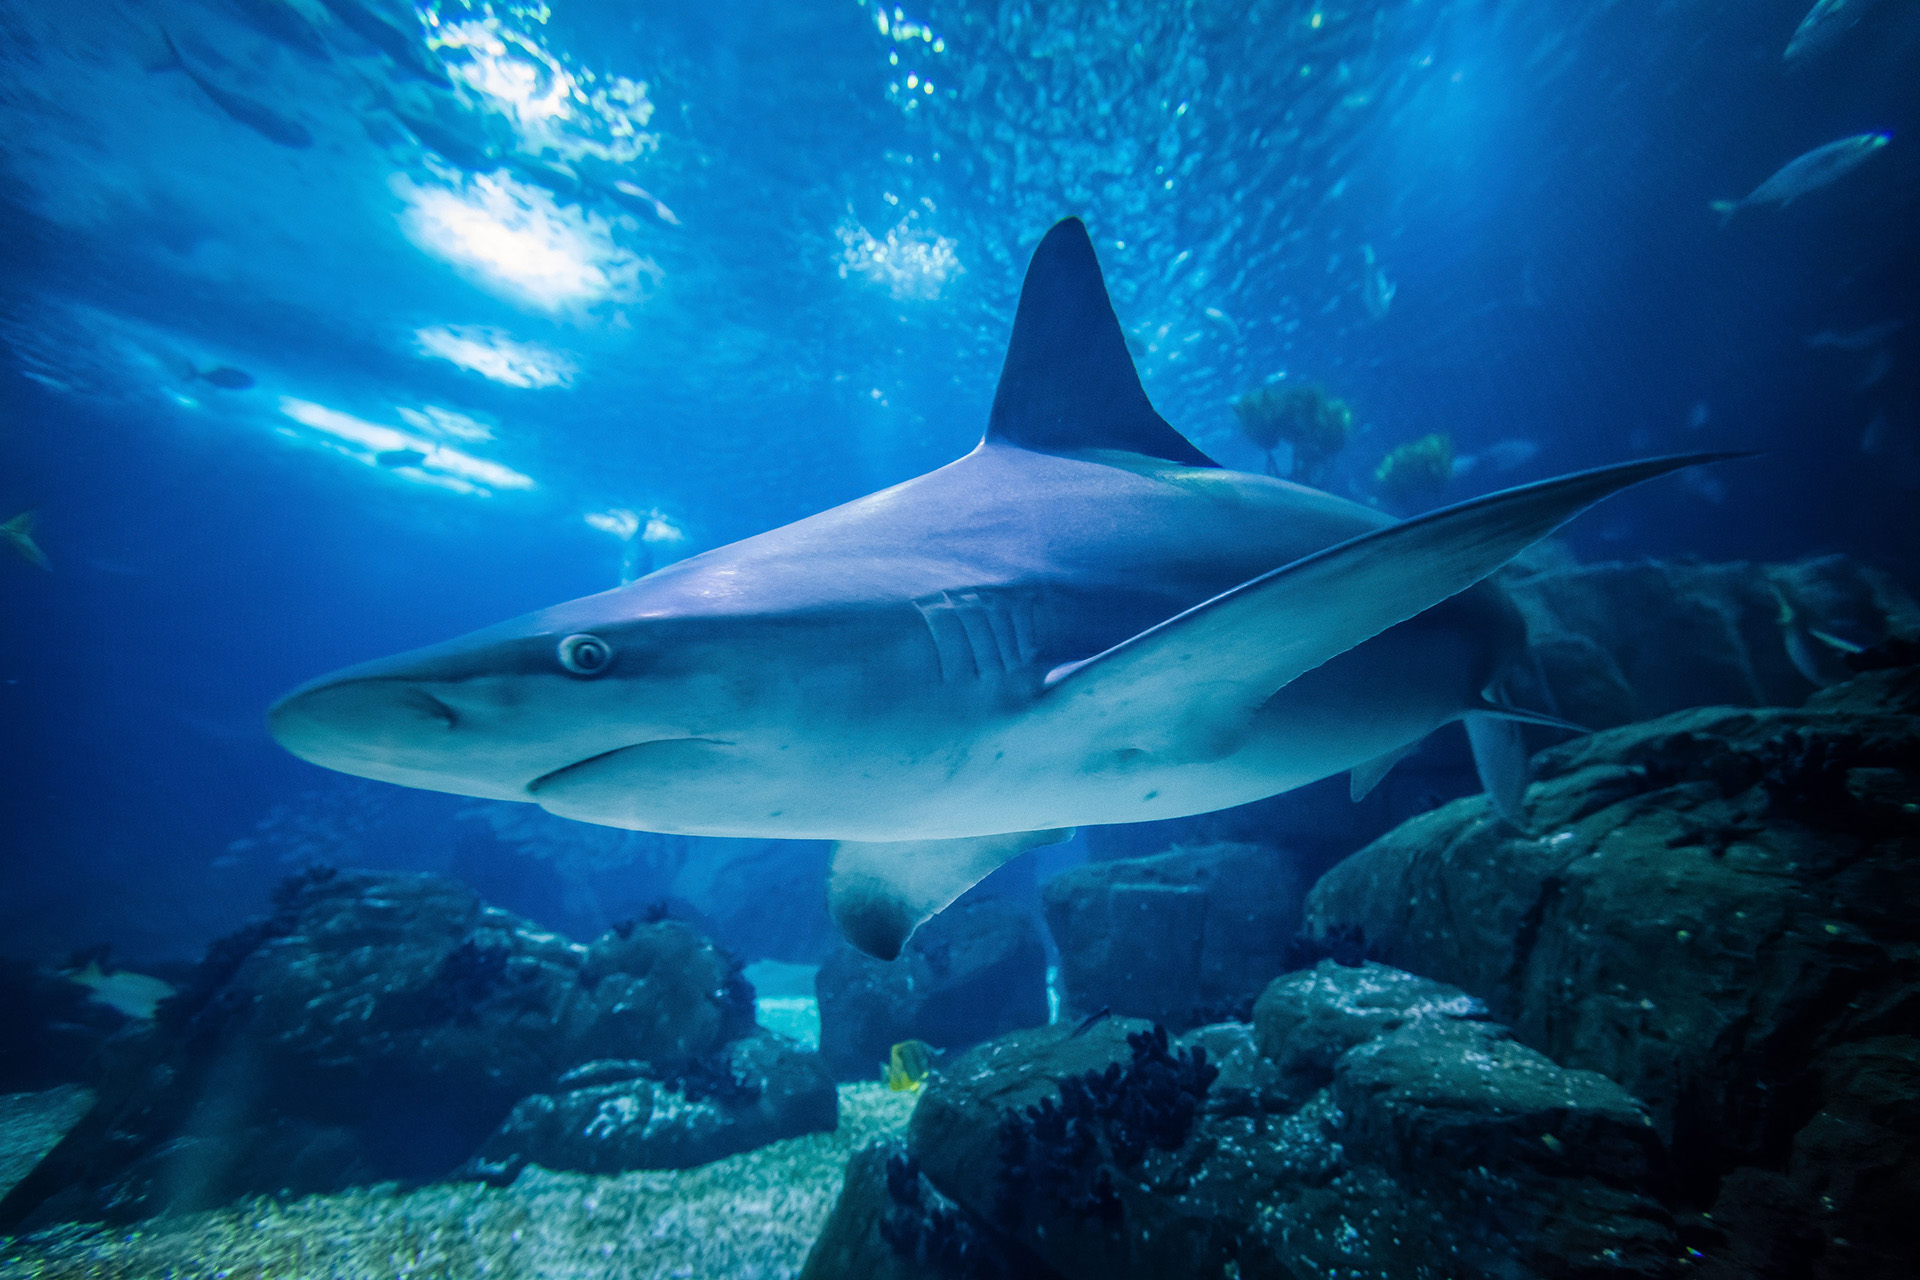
[{"x": 642, "y": 762}]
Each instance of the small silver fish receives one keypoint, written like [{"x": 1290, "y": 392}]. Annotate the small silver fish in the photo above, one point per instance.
[
  {"x": 1807, "y": 173},
  {"x": 1376, "y": 289}
]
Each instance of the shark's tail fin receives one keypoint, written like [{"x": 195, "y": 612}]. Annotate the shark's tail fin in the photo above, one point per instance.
[{"x": 1726, "y": 209}]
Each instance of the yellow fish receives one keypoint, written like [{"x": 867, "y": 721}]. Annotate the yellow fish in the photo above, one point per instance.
[{"x": 908, "y": 1065}]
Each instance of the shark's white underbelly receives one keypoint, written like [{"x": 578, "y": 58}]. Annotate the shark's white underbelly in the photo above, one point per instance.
[{"x": 891, "y": 777}]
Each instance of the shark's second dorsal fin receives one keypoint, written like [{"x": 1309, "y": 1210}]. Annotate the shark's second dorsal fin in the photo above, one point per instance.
[{"x": 1068, "y": 382}]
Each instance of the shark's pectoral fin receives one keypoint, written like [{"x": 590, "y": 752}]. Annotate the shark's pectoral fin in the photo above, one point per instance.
[
  {"x": 1364, "y": 777},
  {"x": 1500, "y": 758},
  {"x": 1220, "y": 660},
  {"x": 879, "y": 893}
]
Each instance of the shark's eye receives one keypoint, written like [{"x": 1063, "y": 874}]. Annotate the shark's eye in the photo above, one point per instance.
[{"x": 585, "y": 655}]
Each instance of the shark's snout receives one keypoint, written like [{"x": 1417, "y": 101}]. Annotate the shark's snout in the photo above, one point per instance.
[{"x": 361, "y": 722}]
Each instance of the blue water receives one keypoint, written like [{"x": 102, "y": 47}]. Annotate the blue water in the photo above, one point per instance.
[{"x": 696, "y": 270}]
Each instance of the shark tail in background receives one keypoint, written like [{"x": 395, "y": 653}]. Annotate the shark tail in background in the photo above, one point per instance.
[
  {"x": 19, "y": 534},
  {"x": 1726, "y": 209}
]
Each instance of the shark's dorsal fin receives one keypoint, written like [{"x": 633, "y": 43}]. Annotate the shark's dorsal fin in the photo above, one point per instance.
[{"x": 1068, "y": 383}]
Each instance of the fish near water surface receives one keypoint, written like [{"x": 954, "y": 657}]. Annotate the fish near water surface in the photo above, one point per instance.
[
  {"x": 251, "y": 112},
  {"x": 1807, "y": 173},
  {"x": 1084, "y": 620}
]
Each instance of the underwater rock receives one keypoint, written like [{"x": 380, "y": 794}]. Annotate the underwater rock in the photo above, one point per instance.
[
  {"x": 972, "y": 972},
  {"x": 1614, "y": 643},
  {"x": 381, "y": 1026},
  {"x": 1610, "y": 644},
  {"x": 1715, "y": 910},
  {"x": 890, "y": 1223},
  {"x": 756, "y": 1090},
  {"x": 1183, "y": 938},
  {"x": 31, "y": 1123},
  {"x": 54, "y": 1030},
  {"x": 1394, "y": 1128}
]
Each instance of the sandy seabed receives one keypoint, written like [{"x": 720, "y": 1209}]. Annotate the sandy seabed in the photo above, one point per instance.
[{"x": 749, "y": 1217}]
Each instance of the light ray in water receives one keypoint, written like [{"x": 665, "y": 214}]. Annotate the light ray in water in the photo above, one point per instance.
[
  {"x": 522, "y": 244},
  {"x": 437, "y": 464},
  {"x": 492, "y": 354}
]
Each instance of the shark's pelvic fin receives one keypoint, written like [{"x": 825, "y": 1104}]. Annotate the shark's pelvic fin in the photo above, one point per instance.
[
  {"x": 1520, "y": 715},
  {"x": 1500, "y": 758},
  {"x": 880, "y": 893},
  {"x": 1197, "y": 678},
  {"x": 1363, "y": 778},
  {"x": 1068, "y": 383}
]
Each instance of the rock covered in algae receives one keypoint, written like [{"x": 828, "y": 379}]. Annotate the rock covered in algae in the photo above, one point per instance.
[
  {"x": 1610, "y": 643},
  {"x": 381, "y": 1026},
  {"x": 756, "y": 1090},
  {"x": 1714, "y": 908},
  {"x": 1388, "y": 1131}
]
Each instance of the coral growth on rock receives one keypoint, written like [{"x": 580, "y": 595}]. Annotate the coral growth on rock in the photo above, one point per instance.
[
  {"x": 1302, "y": 416},
  {"x": 1062, "y": 1150}
]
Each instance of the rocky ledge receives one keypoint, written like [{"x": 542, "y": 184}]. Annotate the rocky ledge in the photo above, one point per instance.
[
  {"x": 1367, "y": 1122},
  {"x": 1670, "y": 1028},
  {"x": 383, "y": 1027},
  {"x": 1717, "y": 910}
]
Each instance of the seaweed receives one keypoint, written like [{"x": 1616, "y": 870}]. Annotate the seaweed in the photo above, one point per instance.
[
  {"x": 920, "y": 1226},
  {"x": 1062, "y": 1150},
  {"x": 466, "y": 978}
]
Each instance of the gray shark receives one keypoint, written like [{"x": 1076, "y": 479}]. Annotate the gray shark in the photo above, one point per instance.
[{"x": 1084, "y": 620}]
